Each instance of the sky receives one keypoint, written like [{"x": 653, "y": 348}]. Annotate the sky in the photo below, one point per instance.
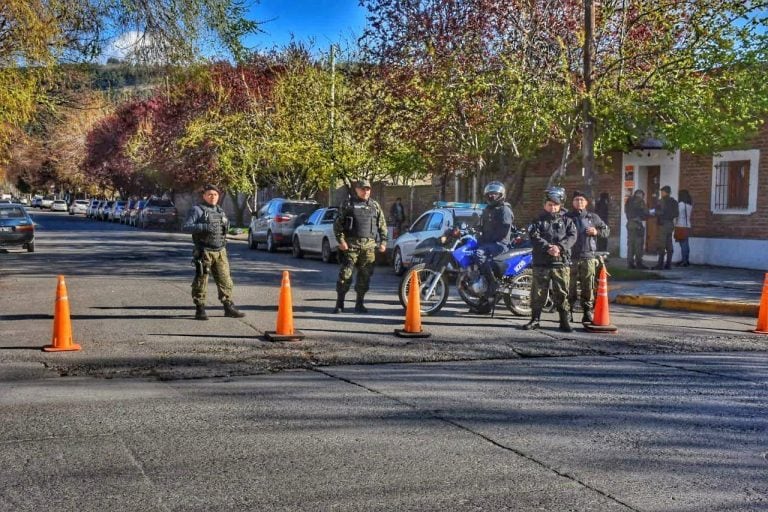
[{"x": 324, "y": 21}]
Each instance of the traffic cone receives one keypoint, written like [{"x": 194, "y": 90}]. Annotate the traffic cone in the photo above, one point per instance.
[
  {"x": 762, "y": 316},
  {"x": 602, "y": 317},
  {"x": 62, "y": 326},
  {"x": 285, "y": 330},
  {"x": 412, "y": 328}
]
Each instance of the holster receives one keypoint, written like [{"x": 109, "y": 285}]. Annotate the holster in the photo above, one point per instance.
[{"x": 197, "y": 260}]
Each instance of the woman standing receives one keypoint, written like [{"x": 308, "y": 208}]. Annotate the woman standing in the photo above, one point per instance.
[{"x": 683, "y": 226}]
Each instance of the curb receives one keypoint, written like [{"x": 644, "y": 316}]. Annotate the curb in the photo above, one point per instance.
[{"x": 720, "y": 307}]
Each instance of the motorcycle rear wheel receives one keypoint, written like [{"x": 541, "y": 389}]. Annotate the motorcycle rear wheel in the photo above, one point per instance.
[
  {"x": 521, "y": 306},
  {"x": 429, "y": 305}
]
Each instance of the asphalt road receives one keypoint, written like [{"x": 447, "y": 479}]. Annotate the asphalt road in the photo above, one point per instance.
[{"x": 161, "y": 412}]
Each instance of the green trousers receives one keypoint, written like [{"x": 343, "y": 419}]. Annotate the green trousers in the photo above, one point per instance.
[
  {"x": 361, "y": 255},
  {"x": 216, "y": 264},
  {"x": 584, "y": 272},
  {"x": 552, "y": 279}
]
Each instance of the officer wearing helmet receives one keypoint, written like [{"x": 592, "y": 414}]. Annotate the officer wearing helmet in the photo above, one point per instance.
[
  {"x": 496, "y": 220},
  {"x": 552, "y": 236}
]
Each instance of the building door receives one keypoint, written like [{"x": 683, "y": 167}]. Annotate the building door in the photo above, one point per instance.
[{"x": 653, "y": 172}]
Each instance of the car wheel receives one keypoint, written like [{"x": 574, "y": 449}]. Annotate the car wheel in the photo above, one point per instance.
[
  {"x": 252, "y": 243},
  {"x": 31, "y": 247},
  {"x": 327, "y": 255},
  {"x": 397, "y": 263},
  {"x": 271, "y": 247},
  {"x": 297, "y": 252}
]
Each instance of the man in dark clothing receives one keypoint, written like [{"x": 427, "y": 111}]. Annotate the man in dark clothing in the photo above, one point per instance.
[
  {"x": 589, "y": 226},
  {"x": 397, "y": 216},
  {"x": 602, "y": 208},
  {"x": 209, "y": 225},
  {"x": 359, "y": 224},
  {"x": 666, "y": 213},
  {"x": 552, "y": 236},
  {"x": 637, "y": 212}
]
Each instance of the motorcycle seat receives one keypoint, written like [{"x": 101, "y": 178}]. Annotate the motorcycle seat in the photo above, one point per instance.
[{"x": 511, "y": 254}]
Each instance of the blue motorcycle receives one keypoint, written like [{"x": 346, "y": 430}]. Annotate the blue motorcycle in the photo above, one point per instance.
[{"x": 456, "y": 257}]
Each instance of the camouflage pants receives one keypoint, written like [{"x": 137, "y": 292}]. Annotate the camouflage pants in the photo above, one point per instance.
[
  {"x": 216, "y": 264},
  {"x": 664, "y": 239},
  {"x": 554, "y": 279},
  {"x": 635, "y": 243},
  {"x": 361, "y": 256},
  {"x": 584, "y": 272}
]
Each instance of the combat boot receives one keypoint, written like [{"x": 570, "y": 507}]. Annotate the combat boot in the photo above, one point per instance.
[
  {"x": 359, "y": 306},
  {"x": 231, "y": 311},
  {"x": 534, "y": 323},
  {"x": 339, "y": 304},
  {"x": 200, "y": 313},
  {"x": 588, "y": 317},
  {"x": 668, "y": 264},
  {"x": 565, "y": 325},
  {"x": 660, "y": 264}
]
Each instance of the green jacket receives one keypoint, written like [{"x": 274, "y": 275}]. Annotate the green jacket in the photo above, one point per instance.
[{"x": 360, "y": 219}]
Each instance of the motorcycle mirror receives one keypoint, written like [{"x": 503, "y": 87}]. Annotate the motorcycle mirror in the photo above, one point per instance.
[{"x": 463, "y": 226}]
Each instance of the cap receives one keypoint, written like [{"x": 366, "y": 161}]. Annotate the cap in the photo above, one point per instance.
[
  {"x": 666, "y": 189},
  {"x": 362, "y": 183},
  {"x": 209, "y": 186},
  {"x": 579, "y": 193},
  {"x": 639, "y": 192}
]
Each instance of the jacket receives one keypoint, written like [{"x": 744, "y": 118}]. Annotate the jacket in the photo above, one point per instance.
[
  {"x": 496, "y": 223},
  {"x": 360, "y": 219},
  {"x": 552, "y": 229},
  {"x": 208, "y": 225},
  {"x": 586, "y": 245}
]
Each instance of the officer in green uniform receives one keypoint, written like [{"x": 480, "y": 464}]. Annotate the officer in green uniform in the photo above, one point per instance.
[
  {"x": 589, "y": 226},
  {"x": 359, "y": 224},
  {"x": 666, "y": 212},
  {"x": 209, "y": 225},
  {"x": 552, "y": 236},
  {"x": 637, "y": 212}
]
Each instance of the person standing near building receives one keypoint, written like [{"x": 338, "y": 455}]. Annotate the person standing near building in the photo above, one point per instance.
[
  {"x": 552, "y": 236},
  {"x": 589, "y": 229},
  {"x": 665, "y": 212},
  {"x": 209, "y": 225},
  {"x": 358, "y": 226},
  {"x": 397, "y": 217},
  {"x": 683, "y": 226},
  {"x": 602, "y": 209},
  {"x": 637, "y": 212}
]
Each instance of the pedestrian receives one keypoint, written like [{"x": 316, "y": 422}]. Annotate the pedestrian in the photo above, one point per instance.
[
  {"x": 209, "y": 225},
  {"x": 360, "y": 229},
  {"x": 552, "y": 236},
  {"x": 666, "y": 212},
  {"x": 683, "y": 226},
  {"x": 602, "y": 209},
  {"x": 397, "y": 217},
  {"x": 584, "y": 261},
  {"x": 637, "y": 213}
]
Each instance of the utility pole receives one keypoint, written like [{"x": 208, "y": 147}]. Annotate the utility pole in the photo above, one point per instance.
[
  {"x": 588, "y": 142},
  {"x": 333, "y": 124}
]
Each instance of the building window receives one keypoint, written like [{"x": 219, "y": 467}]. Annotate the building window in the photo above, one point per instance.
[{"x": 734, "y": 182}]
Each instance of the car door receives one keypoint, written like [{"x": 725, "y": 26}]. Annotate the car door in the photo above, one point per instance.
[
  {"x": 309, "y": 233},
  {"x": 260, "y": 223},
  {"x": 407, "y": 242},
  {"x": 324, "y": 229}
]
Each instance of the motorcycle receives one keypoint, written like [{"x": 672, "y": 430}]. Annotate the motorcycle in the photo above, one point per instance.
[{"x": 456, "y": 256}]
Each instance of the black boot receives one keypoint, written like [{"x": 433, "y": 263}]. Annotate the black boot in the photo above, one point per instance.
[
  {"x": 200, "y": 313},
  {"x": 668, "y": 264},
  {"x": 534, "y": 323},
  {"x": 359, "y": 306},
  {"x": 339, "y": 303},
  {"x": 587, "y": 317},
  {"x": 231, "y": 311},
  {"x": 660, "y": 264},
  {"x": 565, "y": 325}
]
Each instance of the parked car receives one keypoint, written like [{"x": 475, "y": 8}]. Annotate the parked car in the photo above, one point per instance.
[
  {"x": 92, "y": 207},
  {"x": 429, "y": 224},
  {"x": 47, "y": 202},
  {"x": 36, "y": 202},
  {"x": 158, "y": 212},
  {"x": 78, "y": 206},
  {"x": 102, "y": 212},
  {"x": 125, "y": 213},
  {"x": 59, "y": 205},
  {"x": 275, "y": 222},
  {"x": 116, "y": 211},
  {"x": 16, "y": 227},
  {"x": 316, "y": 235},
  {"x": 24, "y": 201},
  {"x": 133, "y": 216}
]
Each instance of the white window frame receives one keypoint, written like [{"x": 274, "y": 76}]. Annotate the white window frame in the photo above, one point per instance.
[{"x": 753, "y": 155}]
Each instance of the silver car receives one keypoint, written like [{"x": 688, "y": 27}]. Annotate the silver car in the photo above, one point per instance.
[
  {"x": 274, "y": 223},
  {"x": 316, "y": 236}
]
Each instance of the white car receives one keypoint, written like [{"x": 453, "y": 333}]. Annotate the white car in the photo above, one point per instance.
[
  {"x": 59, "y": 205},
  {"x": 47, "y": 202},
  {"x": 79, "y": 206},
  {"x": 316, "y": 235},
  {"x": 431, "y": 224}
]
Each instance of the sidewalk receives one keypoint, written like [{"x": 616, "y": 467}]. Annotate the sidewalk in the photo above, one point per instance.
[{"x": 699, "y": 288}]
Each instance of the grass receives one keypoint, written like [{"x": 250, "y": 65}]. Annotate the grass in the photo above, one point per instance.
[{"x": 622, "y": 273}]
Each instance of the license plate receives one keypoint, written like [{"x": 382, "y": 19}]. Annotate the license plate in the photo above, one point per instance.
[{"x": 5, "y": 229}]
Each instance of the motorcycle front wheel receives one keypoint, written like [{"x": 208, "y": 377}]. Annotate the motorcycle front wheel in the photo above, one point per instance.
[
  {"x": 521, "y": 305},
  {"x": 432, "y": 302}
]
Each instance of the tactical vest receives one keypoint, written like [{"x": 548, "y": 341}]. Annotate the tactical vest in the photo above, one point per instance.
[
  {"x": 215, "y": 237},
  {"x": 365, "y": 216}
]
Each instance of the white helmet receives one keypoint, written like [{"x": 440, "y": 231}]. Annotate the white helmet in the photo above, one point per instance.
[{"x": 494, "y": 192}]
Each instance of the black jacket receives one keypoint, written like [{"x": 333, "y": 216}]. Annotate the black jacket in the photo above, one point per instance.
[
  {"x": 496, "y": 223},
  {"x": 552, "y": 229},
  {"x": 666, "y": 211},
  {"x": 586, "y": 246}
]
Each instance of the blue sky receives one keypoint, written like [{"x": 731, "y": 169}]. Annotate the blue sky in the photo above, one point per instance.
[{"x": 325, "y": 21}]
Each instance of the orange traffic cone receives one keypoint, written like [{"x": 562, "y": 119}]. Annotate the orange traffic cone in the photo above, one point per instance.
[
  {"x": 62, "y": 326},
  {"x": 762, "y": 316},
  {"x": 413, "y": 312},
  {"x": 602, "y": 318},
  {"x": 285, "y": 330}
]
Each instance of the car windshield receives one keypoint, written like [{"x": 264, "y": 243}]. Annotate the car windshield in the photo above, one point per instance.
[
  {"x": 298, "y": 208},
  {"x": 120, "y": 203},
  {"x": 163, "y": 203},
  {"x": 12, "y": 213},
  {"x": 81, "y": 202},
  {"x": 471, "y": 220}
]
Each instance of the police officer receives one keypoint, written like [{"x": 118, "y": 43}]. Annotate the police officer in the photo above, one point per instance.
[
  {"x": 589, "y": 226},
  {"x": 552, "y": 236},
  {"x": 209, "y": 225},
  {"x": 666, "y": 213},
  {"x": 637, "y": 212},
  {"x": 496, "y": 220},
  {"x": 359, "y": 223}
]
